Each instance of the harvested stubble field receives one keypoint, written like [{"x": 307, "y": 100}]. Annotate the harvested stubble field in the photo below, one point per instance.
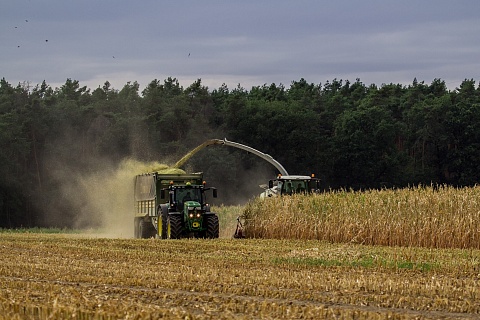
[
  {"x": 391, "y": 254},
  {"x": 65, "y": 276}
]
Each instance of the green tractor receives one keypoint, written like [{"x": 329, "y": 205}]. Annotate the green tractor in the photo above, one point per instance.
[
  {"x": 187, "y": 214},
  {"x": 173, "y": 206}
]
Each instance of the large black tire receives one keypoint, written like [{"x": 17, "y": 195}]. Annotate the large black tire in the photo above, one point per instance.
[
  {"x": 162, "y": 223},
  {"x": 146, "y": 229},
  {"x": 212, "y": 226},
  {"x": 174, "y": 226}
]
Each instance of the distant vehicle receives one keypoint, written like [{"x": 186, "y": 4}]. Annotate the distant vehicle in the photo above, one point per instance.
[{"x": 290, "y": 184}]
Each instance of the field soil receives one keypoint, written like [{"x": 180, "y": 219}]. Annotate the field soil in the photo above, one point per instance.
[{"x": 60, "y": 276}]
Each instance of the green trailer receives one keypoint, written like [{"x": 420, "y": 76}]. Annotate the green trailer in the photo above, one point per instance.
[{"x": 173, "y": 206}]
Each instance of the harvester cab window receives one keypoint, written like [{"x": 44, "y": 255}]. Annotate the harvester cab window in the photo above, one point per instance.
[
  {"x": 288, "y": 188},
  {"x": 300, "y": 188},
  {"x": 291, "y": 187},
  {"x": 279, "y": 185}
]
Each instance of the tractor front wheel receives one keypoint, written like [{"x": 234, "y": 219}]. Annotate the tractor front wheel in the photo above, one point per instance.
[
  {"x": 174, "y": 226},
  {"x": 212, "y": 226}
]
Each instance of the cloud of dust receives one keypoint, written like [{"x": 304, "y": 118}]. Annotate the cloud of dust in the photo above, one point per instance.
[
  {"x": 110, "y": 194},
  {"x": 103, "y": 201}
]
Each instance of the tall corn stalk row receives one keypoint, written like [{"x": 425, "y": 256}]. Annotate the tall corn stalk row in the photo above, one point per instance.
[{"x": 436, "y": 217}]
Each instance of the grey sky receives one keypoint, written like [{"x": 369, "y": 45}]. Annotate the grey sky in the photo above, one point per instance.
[{"x": 238, "y": 42}]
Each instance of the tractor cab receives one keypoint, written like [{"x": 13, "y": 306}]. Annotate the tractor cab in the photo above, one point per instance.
[
  {"x": 179, "y": 195},
  {"x": 182, "y": 195}
]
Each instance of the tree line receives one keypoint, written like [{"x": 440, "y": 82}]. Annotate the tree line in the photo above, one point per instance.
[{"x": 351, "y": 135}]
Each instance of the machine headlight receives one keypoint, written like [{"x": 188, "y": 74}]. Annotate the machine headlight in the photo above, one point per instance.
[
  {"x": 198, "y": 215},
  {"x": 191, "y": 215}
]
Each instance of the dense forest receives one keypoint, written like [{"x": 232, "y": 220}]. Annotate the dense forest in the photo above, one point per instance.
[{"x": 350, "y": 135}]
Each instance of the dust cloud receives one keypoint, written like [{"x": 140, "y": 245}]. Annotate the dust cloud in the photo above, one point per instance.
[{"x": 107, "y": 198}]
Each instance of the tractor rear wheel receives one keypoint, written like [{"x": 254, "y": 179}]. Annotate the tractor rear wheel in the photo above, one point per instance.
[
  {"x": 212, "y": 226},
  {"x": 162, "y": 224},
  {"x": 174, "y": 226}
]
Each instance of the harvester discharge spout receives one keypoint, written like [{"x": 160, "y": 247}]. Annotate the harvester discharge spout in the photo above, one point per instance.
[
  {"x": 225, "y": 142},
  {"x": 186, "y": 157},
  {"x": 262, "y": 155}
]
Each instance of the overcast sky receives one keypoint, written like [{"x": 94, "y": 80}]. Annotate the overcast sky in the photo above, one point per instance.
[{"x": 248, "y": 42}]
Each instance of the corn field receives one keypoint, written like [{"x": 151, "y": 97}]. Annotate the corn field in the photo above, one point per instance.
[
  {"x": 68, "y": 276},
  {"x": 433, "y": 217}
]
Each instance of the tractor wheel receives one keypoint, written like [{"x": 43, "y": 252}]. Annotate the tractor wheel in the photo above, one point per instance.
[
  {"x": 145, "y": 229},
  {"x": 174, "y": 226},
  {"x": 162, "y": 224},
  {"x": 212, "y": 226}
]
